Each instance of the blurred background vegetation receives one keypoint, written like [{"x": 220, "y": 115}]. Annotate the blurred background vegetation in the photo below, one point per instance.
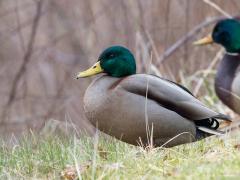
[{"x": 44, "y": 43}]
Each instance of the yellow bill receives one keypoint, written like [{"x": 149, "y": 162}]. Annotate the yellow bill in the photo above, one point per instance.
[
  {"x": 95, "y": 69},
  {"x": 206, "y": 40}
]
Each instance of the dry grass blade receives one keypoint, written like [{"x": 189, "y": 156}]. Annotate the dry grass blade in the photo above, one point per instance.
[
  {"x": 175, "y": 137},
  {"x": 209, "y": 69},
  {"x": 218, "y": 8},
  {"x": 149, "y": 132}
]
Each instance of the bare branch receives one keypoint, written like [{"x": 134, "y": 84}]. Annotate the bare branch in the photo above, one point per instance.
[
  {"x": 185, "y": 39},
  {"x": 218, "y": 56},
  {"x": 218, "y": 8},
  {"x": 26, "y": 59}
]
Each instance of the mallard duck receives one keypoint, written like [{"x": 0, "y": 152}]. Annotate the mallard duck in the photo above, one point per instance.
[
  {"x": 129, "y": 106},
  {"x": 227, "y": 81}
]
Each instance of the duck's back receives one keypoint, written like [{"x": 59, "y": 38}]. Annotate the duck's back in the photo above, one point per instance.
[{"x": 124, "y": 114}]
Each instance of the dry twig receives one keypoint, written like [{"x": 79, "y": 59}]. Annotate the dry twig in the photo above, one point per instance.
[
  {"x": 26, "y": 59},
  {"x": 185, "y": 39}
]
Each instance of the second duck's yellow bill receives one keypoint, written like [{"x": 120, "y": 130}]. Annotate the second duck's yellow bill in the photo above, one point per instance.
[
  {"x": 95, "y": 69},
  {"x": 206, "y": 40}
]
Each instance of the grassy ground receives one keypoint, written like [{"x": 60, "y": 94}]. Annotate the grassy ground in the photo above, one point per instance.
[
  {"x": 52, "y": 157},
  {"x": 99, "y": 158}
]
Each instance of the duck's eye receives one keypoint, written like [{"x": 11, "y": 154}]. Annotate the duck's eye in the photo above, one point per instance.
[
  {"x": 111, "y": 55},
  {"x": 216, "y": 29}
]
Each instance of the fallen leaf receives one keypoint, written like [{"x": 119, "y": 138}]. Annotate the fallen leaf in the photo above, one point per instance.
[
  {"x": 71, "y": 173},
  {"x": 102, "y": 153},
  {"x": 237, "y": 146}
]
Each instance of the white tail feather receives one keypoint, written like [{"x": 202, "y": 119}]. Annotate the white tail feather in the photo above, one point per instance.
[{"x": 210, "y": 131}]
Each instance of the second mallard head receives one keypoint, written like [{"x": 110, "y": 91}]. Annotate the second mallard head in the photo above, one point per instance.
[{"x": 226, "y": 33}]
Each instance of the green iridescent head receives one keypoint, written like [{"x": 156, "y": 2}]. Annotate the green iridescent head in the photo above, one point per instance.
[
  {"x": 227, "y": 33},
  {"x": 116, "y": 61}
]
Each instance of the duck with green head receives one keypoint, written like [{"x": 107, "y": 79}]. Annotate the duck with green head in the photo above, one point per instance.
[
  {"x": 227, "y": 81},
  {"x": 123, "y": 104}
]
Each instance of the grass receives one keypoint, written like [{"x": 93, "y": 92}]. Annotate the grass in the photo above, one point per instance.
[{"x": 107, "y": 158}]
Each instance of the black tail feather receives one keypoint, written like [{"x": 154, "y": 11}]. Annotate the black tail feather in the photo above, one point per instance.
[
  {"x": 223, "y": 117},
  {"x": 210, "y": 123},
  {"x": 203, "y": 132},
  {"x": 208, "y": 127}
]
